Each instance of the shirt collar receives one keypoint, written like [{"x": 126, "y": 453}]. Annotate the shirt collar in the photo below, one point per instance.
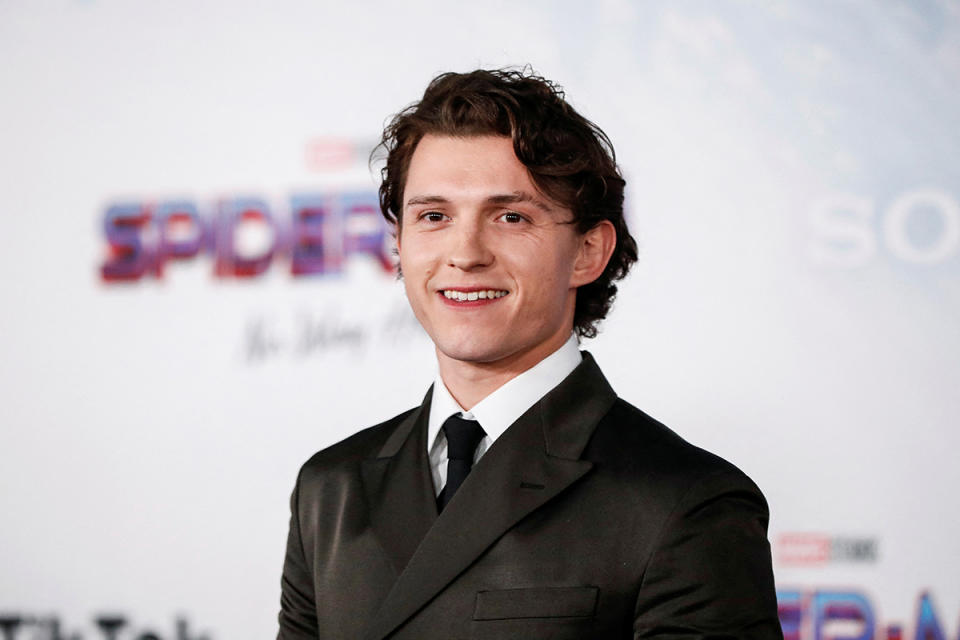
[{"x": 501, "y": 408}]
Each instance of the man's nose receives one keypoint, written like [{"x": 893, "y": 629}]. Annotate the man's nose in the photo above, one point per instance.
[{"x": 469, "y": 249}]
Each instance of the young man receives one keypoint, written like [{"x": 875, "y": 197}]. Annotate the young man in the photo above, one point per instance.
[{"x": 522, "y": 498}]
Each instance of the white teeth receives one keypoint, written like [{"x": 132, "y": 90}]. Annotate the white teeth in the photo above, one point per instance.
[{"x": 462, "y": 296}]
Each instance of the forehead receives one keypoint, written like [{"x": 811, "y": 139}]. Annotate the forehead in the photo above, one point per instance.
[{"x": 466, "y": 167}]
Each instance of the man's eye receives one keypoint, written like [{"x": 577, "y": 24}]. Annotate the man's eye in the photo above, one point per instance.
[
  {"x": 512, "y": 217},
  {"x": 433, "y": 216}
]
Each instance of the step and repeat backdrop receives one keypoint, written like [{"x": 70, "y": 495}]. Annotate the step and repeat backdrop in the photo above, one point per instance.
[{"x": 198, "y": 291}]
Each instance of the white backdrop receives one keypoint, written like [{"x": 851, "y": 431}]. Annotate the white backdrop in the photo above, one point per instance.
[{"x": 793, "y": 180}]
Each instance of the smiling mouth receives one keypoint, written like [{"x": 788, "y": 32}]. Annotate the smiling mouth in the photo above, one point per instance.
[{"x": 470, "y": 296}]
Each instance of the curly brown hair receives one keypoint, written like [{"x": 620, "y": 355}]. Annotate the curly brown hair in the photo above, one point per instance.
[{"x": 570, "y": 159}]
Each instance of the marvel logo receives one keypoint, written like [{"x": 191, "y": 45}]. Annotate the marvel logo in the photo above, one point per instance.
[{"x": 816, "y": 549}]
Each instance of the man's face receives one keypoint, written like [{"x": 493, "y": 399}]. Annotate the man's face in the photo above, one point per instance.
[{"x": 489, "y": 263}]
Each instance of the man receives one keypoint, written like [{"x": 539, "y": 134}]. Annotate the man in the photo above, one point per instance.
[{"x": 522, "y": 498}]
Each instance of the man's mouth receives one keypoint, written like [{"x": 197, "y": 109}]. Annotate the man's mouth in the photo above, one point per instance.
[{"x": 458, "y": 295}]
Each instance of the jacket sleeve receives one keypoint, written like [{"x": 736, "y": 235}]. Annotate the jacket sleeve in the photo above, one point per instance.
[
  {"x": 298, "y": 614},
  {"x": 710, "y": 576}
]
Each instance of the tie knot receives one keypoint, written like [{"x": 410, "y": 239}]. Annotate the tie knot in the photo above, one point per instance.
[{"x": 463, "y": 436}]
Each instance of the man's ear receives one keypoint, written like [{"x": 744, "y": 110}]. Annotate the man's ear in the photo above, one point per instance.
[{"x": 596, "y": 247}]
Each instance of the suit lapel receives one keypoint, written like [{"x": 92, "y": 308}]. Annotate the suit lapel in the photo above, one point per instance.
[
  {"x": 399, "y": 489},
  {"x": 533, "y": 461}
]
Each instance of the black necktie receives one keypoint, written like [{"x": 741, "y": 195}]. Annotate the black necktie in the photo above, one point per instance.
[{"x": 463, "y": 436}]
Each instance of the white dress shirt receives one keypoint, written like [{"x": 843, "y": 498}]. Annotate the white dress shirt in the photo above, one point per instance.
[{"x": 498, "y": 410}]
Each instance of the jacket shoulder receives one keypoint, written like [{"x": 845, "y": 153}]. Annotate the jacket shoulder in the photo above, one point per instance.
[
  {"x": 348, "y": 452},
  {"x": 632, "y": 441}
]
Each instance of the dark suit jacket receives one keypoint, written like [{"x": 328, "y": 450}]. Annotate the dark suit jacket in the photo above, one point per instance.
[{"x": 585, "y": 519}]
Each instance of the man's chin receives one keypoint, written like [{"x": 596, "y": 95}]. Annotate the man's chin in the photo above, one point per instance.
[
  {"x": 471, "y": 356},
  {"x": 479, "y": 354}
]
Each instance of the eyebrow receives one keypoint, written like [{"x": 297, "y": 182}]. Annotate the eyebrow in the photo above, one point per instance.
[
  {"x": 427, "y": 200},
  {"x": 503, "y": 198}
]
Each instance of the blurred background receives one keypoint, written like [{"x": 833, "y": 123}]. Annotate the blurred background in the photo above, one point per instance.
[{"x": 196, "y": 291}]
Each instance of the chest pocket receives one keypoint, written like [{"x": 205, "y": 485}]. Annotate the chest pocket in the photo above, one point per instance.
[
  {"x": 546, "y": 602},
  {"x": 547, "y": 612}
]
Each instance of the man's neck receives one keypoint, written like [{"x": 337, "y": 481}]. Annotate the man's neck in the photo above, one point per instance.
[{"x": 471, "y": 382}]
